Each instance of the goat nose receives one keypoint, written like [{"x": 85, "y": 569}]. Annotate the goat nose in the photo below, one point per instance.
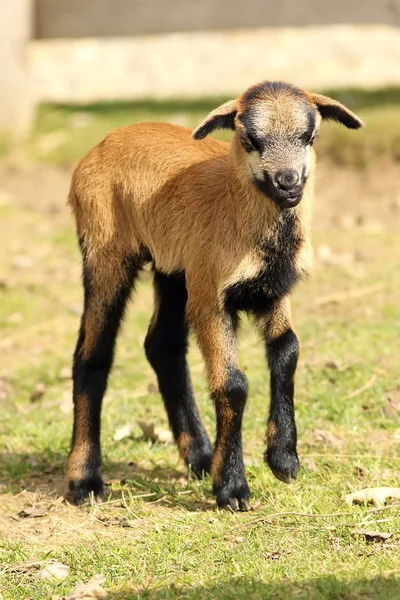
[{"x": 286, "y": 179}]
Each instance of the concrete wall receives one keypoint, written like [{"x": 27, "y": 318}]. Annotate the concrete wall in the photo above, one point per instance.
[
  {"x": 199, "y": 50},
  {"x": 16, "y": 104},
  {"x": 214, "y": 63},
  {"x": 105, "y": 18}
]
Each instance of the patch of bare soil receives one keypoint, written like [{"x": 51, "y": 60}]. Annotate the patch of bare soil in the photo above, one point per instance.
[
  {"x": 349, "y": 197},
  {"x": 49, "y": 520},
  {"x": 344, "y": 196},
  {"x": 35, "y": 187}
]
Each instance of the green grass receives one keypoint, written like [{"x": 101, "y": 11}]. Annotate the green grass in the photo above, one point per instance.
[
  {"x": 158, "y": 535},
  {"x": 63, "y": 133}
]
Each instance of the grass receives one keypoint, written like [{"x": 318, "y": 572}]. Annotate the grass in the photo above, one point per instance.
[
  {"x": 158, "y": 534},
  {"x": 62, "y": 133}
]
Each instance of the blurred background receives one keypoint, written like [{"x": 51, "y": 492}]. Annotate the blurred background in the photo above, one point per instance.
[{"x": 71, "y": 71}]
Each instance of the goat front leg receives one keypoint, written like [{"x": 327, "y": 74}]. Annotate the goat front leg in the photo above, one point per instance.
[
  {"x": 282, "y": 348},
  {"x": 216, "y": 334}
]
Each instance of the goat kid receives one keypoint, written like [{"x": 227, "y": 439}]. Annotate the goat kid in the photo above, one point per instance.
[{"x": 226, "y": 228}]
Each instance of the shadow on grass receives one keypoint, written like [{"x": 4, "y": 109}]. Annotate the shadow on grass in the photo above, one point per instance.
[
  {"x": 165, "y": 485},
  {"x": 328, "y": 587}
]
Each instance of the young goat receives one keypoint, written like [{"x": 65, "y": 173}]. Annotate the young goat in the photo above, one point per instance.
[{"x": 226, "y": 228}]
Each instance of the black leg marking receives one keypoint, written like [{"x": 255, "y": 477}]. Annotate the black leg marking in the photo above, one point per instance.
[
  {"x": 166, "y": 347},
  {"x": 281, "y": 453},
  {"x": 230, "y": 485},
  {"x": 91, "y": 366}
]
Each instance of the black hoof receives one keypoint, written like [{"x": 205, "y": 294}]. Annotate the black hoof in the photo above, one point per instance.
[
  {"x": 82, "y": 490},
  {"x": 283, "y": 463},
  {"x": 233, "y": 495}
]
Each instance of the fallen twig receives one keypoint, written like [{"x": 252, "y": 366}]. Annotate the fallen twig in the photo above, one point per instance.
[
  {"x": 267, "y": 518},
  {"x": 352, "y": 294}
]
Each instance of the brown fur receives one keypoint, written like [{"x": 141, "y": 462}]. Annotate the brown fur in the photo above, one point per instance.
[
  {"x": 184, "y": 442},
  {"x": 81, "y": 447},
  {"x": 219, "y": 349},
  {"x": 272, "y": 432},
  {"x": 217, "y": 464},
  {"x": 277, "y": 321}
]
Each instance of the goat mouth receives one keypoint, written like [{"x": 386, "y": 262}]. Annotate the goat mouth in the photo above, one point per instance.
[
  {"x": 290, "y": 201},
  {"x": 281, "y": 198}
]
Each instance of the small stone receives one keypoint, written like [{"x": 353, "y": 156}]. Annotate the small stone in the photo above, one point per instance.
[
  {"x": 38, "y": 392},
  {"x": 55, "y": 571},
  {"x": 348, "y": 221}
]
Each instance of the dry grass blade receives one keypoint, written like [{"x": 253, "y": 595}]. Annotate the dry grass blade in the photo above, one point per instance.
[
  {"x": 362, "y": 389},
  {"x": 24, "y": 567}
]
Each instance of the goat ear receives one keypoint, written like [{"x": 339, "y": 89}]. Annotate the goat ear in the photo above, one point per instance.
[
  {"x": 332, "y": 109},
  {"x": 222, "y": 117}
]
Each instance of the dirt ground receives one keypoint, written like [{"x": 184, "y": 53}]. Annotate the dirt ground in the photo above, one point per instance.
[{"x": 344, "y": 196}]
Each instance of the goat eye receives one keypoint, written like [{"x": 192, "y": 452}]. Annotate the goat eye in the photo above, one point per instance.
[
  {"x": 312, "y": 139},
  {"x": 249, "y": 144},
  {"x": 308, "y": 140}
]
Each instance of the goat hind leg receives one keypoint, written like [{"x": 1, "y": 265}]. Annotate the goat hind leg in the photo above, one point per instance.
[
  {"x": 107, "y": 286},
  {"x": 166, "y": 347}
]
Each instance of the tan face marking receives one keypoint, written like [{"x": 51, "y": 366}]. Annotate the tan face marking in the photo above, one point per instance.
[{"x": 276, "y": 125}]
